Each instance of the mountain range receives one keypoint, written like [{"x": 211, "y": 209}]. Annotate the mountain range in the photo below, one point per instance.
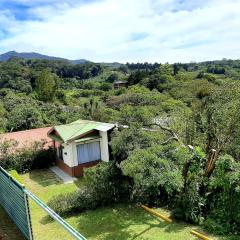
[{"x": 33, "y": 55}]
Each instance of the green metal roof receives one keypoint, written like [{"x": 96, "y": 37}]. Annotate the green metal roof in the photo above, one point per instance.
[{"x": 78, "y": 128}]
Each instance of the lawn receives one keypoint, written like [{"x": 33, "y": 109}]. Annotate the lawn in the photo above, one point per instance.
[{"x": 117, "y": 222}]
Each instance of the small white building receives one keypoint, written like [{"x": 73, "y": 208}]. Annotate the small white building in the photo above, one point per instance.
[{"x": 81, "y": 144}]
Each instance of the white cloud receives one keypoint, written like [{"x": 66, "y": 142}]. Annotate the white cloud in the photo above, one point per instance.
[{"x": 173, "y": 30}]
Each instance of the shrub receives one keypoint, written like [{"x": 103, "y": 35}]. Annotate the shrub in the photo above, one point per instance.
[
  {"x": 104, "y": 186},
  {"x": 156, "y": 177},
  {"x": 25, "y": 159},
  {"x": 112, "y": 78},
  {"x": 43, "y": 159},
  {"x": 224, "y": 200},
  {"x": 89, "y": 93},
  {"x": 190, "y": 205},
  {"x": 74, "y": 202}
]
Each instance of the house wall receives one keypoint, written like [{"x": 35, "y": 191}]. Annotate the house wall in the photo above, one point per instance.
[
  {"x": 70, "y": 150},
  {"x": 74, "y": 146},
  {"x": 61, "y": 164},
  {"x": 75, "y": 160},
  {"x": 120, "y": 85},
  {"x": 104, "y": 146},
  {"x": 68, "y": 154},
  {"x": 76, "y": 171},
  {"x": 70, "y": 162}
]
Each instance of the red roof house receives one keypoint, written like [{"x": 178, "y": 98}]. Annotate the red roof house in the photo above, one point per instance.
[{"x": 28, "y": 137}]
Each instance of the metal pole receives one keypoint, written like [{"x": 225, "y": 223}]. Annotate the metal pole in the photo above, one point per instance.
[{"x": 28, "y": 215}]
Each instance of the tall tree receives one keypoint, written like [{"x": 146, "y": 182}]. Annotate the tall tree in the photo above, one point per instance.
[{"x": 47, "y": 85}]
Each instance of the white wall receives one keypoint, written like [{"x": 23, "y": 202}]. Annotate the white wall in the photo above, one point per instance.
[
  {"x": 75, "y": 160},
  {"x": 104, "y": 146},
  {"x": 68, "y": 154},
  {"x": 70, "y": 151}
]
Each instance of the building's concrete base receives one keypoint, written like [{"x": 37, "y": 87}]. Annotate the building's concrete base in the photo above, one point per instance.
[
  {"x": 77, "y": 171},
  {"x": 63, "y": 175}
]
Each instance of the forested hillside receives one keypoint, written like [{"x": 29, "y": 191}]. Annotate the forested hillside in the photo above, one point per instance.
[
  {"x": 188, "y": 161},
  {"x": 199, "y": 100}
]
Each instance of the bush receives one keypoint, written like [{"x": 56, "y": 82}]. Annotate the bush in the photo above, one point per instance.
[
  {"x": 190, "y": 205},
  {"x": 156, "y": 178},
  {"x": 43, "y": 159},
  {"x": 24, "y": 160},
  {"x": 74, "y": 202},
  {"x": 89, "y": 93},
  {"x": 104, "y": 186},
  {"x": 112, "y": 78},
  {"x": 224, "y": 200},
  {"x": 214, "y": 201}
]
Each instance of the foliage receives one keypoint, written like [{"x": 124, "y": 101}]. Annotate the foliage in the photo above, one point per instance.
[
  {"x": 23, "y": 117},
  {"x": 106, "y": 178},
  {"x": 46, "y": 85},
  {"x": 119, "y": 221},
  {"x": 94, "y": 110},
  {"x": 25, "y": 159},
  {"x": 160, "y": 81},
  {"x": 155, "y": 173},
  {"x": 113, "y": 78},
  {"x": 128, "y": 139},
  {"x": 224, "y": 200},
  {"x": 166, "y": 107},
  {"x": 190, "y": 205},
  {"x": 79, "y": 71},
  {"x": 142, "y": 66},
  {"x": 102, "y": 179}
]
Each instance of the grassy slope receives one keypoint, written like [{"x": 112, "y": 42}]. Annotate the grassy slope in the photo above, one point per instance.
[
  {"x": 8, "y": 230},
  {"x": 117, "y": 222}
]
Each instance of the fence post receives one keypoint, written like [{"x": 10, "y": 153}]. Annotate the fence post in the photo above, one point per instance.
[{"x": 28, "y": 215}]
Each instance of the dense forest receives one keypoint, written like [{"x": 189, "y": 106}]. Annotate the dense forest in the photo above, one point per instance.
[{"x": 181, "y": 148}]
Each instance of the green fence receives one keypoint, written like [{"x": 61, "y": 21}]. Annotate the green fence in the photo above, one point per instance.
[
  {"x": 14, "y": 199},
  {"x": 56, "y": 217},
  {"x": 15, "y": 202}
]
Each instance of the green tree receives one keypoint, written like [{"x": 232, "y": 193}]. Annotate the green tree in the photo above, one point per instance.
[
  {"x": 156, "y": 173},
  {"x": 3, "y": 119},
  {"x": 224, "y": 199},
  {"x": 113, "y": 78},
  {"x": 166, "y": 69},
  {"x": 126, "y": 140},
  {"x": 94, "y": 110},
  {"x": 46, "y": 85},
  {"x": 24, "y": 116},
  {"x": 160, "y": 81},
  {"x": 218, "y": 121}
]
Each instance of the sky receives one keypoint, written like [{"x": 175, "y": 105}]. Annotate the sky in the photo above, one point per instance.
[{"x": 123, "y": 30}]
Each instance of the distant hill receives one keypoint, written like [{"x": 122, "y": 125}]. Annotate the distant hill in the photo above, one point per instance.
[
  {"x": 111, "y": 65},
  {"x": 32, "y": 55}
]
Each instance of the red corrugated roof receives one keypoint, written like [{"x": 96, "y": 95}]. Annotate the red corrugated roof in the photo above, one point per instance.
[{"x": 28, "y": 137}]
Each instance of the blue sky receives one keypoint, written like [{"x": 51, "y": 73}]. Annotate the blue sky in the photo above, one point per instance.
[{"x": 126, "y": 30}]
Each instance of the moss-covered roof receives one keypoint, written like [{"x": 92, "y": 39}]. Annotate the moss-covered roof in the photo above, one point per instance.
[{"x": 76, "y": 129}]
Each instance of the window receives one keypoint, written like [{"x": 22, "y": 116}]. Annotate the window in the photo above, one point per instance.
[{"x": 88, "y": 152}]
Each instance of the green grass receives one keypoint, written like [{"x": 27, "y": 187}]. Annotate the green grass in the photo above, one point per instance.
[
  {"x": 8, "y": 231},
  {"x": 117, "y": 222}
]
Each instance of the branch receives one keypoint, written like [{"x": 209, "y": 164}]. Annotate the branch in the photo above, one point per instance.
[
  {"x": 168, "y": 129},
  {"x": 168, "y": 140},
  {"x": 162, "y": 127}
]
